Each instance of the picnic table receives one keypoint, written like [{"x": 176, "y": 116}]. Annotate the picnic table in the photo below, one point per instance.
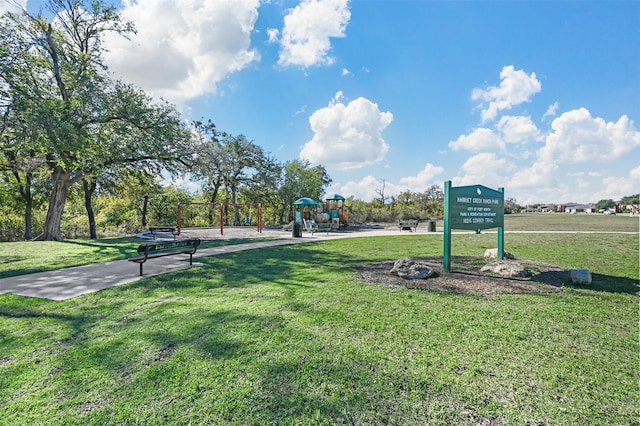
[{"x": 155, "y": 230}]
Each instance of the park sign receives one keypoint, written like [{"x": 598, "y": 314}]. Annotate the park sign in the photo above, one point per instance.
[{"x": 473, "y": 207}]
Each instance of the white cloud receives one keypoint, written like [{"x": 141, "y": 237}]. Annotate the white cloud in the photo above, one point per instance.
[
  {"x": 518, "y": 129},
  {"x": 183, "y": 48},
  {"x": 345, "y": 71},
  {"x": 337, "y": 97},
  {"x": 364, "y": 190},
  {"x": 551, "y": 111},
  {"x": 485, "y": 168},
  {"x": 273, "y": 34},
  {"x": 539, "y": 176},
  {"x": 302, "y": 110},
  {"x": 367, "y": 189},
  {"x": 566, "y": 168},
  {"x": 617, "y": 187},
  {"x": 578, "y": 137},
  {"x": 347, "y": 136},
  {"x": 578, "y": 158},
  {"x": 423, "y": 180},
  {"x": 307, "y": 31},
  {"x": 480, "y": 140},
  {"x": 515, "y": 88}
]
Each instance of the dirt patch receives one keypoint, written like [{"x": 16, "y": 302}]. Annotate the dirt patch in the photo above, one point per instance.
[{"x": 466, "y": 277}]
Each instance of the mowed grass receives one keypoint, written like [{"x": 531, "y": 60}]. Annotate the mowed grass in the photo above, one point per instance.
[
  {"x": 580, "y": 222},
  {"x": 289, "y": 335}
]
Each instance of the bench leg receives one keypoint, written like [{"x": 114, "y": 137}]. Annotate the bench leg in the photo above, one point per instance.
[{"x": 140, "y": 268}]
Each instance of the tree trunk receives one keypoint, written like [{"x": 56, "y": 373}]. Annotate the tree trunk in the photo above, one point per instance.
[
  {"x": 61, "y": 183},
  {"x": 214, "y": 196},
  {"x": 28, "y": 211},
  {"x": 236, "y": 209},
  {"x": 89, "y": 190},
  {"x": 145, "y": 205},
  {"x": 25, "y": 193}
]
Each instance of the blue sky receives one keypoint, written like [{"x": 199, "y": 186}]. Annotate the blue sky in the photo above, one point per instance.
[{"x": 539, "y": 97}]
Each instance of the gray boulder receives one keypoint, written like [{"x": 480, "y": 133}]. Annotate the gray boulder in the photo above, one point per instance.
[
  {"x": 410, "y": 269},
  {"x": 580, "y": 276},
  {"x": 493, "y": 254},
  {"x": 507, "y": 269}
]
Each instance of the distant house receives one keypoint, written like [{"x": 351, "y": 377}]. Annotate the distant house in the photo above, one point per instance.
[
  {"x": 631, "y": 208},
  {"x": 576, "y": 208}
]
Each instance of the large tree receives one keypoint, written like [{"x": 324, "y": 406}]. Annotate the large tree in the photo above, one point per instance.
[
  {"x": 209, "y": 161},
  {"x": 52, "y": 72},
  {"x": 21, "y": 166},
  {"x": 235, "y": 164}
]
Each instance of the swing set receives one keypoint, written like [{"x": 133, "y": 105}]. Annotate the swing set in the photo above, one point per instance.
[{"x": 224, "y": 209}]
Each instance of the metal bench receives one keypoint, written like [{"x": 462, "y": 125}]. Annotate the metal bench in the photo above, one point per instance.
[
  {"x": 408, "y": 225},
  {"x": 166, "y": 248},
  {"x": 321, "y": 227}
]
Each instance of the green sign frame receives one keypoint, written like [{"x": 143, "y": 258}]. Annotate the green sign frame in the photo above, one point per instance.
[{"x": 473, "y": 207}]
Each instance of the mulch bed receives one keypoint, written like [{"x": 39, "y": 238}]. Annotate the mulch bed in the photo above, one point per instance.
[{"x": 466, "y": 278}]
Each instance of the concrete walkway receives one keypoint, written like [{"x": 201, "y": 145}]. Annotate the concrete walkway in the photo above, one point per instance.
[{"x": 67, "y": 283}]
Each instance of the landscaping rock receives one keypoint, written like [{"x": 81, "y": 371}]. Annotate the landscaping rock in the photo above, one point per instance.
[
  {"x": 410, "y": 269},
  {"x": 580, "y": 276},
  {"x": 507, "y": 269},
  {"x": 493, "y": 254}
]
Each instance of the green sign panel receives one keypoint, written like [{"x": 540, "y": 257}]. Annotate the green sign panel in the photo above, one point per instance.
[{"x": 475, "y": 207}]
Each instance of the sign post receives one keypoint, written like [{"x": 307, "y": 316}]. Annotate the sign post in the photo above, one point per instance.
[{"x": 473, "y": 207}]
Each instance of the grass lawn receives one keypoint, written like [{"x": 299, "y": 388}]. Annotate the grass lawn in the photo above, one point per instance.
[
  {"x": 571, "y": 222},
  {"x": 289, "y": 335}
]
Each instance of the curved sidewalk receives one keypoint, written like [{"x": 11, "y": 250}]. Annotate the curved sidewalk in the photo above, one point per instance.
[
  {"x": 67, "y": 283},
  {"x": 62, "y": 284}
]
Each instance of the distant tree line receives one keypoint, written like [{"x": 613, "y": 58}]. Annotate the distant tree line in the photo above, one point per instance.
[
  {"x": 424, "y": 205},
  {"x": 621, "y": 205}
]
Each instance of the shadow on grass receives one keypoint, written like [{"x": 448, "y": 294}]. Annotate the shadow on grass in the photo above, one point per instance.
[
  {"x": 611, "y": 284},
  {"x": 558, "y": 277},
  {"x": 289, "y": 266},
  {"x": 600, "y": 282},
  {"x": 75, "y": 321}
]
